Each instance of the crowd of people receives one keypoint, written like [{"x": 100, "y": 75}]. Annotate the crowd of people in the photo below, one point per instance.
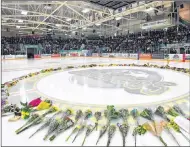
[{"x": 146, "y": 41}]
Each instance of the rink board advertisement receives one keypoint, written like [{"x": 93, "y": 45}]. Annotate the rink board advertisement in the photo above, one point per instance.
[
  {"x": 145, "y": 56},
  {"x": 95, "y": 54},
  {"x": 157, "y": 56},
  {"x": 187, "y": 57},
  {"x": 37, "y": 56},
  {"x": 177, "y": 57},
  {"x": 55, "y": 55},
  {"x": 9, "y": 56}
]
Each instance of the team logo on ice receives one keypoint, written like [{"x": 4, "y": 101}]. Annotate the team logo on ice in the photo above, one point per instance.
[{"x": 134, "y": 81}]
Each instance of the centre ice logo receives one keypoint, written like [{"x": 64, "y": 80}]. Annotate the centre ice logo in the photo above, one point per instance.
[{"x": 134, "y": 81}]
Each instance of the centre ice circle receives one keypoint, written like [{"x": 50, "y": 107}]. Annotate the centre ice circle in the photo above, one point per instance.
[{"x": 115, "y": 85}]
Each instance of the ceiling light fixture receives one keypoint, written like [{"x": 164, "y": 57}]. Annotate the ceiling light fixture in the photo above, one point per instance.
[
  {"x": 18, "y": 27},
  {"x": 98, "y": 24},
  {"x": 118, "y": 18},
  {"x": 24, "y": 12},
  {"x": 149, "y": 9},
  {"x": 85, "y": 10},
  {"x": 68, "y": 19},
  {"x": 20, "y": 20}
]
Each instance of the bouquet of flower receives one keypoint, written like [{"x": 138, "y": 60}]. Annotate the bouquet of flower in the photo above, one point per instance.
[
  {"x": 52, "y": 127},
  {"x": 46, "y": 104},
  {"x": 97, "y": 115},
  {"x": 179, "y": 110},
  {"x": 140, "y": 130},
  {"x": 35, "y": 102},
  {"x": 135, "y": 115},
  {"x": 78, "y": 115},
  {"x": 34, "y": 121},
  {"x": 111, "y": 132},
  {"x": 89, "y": 130},
  {"x": 124, "y": 114},
  {"x": 111, "y": 113},
  {"x": 8, "y": 109},
  {"x": 160, "y": 112},
  {"x": 156, "y": 129},
  {"x": 147, "y": 113},
  {"x": 73, "y": 131},
  {"x": 31, "y": 119},
  {"x": 173, "y": 125},
  {"x": 124, "y": 128},
  {"x": 63, "y": 125},
  {"x": 46, "y": 124},
  {"x": 87, "y": 114},
  {"x": 172, "y": 112},
  {"x": 81, "y": 129},
  {"x": 102, "y": 132}
]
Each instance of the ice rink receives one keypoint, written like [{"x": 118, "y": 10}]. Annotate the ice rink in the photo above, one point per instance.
[{"x": 95, "y": 88}]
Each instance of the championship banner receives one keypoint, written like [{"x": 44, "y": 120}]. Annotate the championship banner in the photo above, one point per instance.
[
  {"x": 158, "y": 56},
  {"x": 37, "y": 56},
  {"x": 55, "y": 55},
  {"x": 145, "y": 56}
]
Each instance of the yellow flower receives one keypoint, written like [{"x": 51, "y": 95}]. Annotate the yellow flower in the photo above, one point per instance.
[
  {"x": 55, "y": 108},
  {"x": 43, "y": 105}
]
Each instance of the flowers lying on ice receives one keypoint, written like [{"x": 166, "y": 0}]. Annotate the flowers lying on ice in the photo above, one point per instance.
[{"x": 46, "y": 104}]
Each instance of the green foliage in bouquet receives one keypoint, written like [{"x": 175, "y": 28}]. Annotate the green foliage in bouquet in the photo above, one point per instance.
[{"x": 111, "y": 113}]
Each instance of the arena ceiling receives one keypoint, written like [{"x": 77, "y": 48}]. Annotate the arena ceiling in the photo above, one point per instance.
[{"x": 69, "y": 17}]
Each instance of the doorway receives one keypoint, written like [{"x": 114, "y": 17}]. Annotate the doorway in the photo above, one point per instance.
[{"x": 30, "y": 53}]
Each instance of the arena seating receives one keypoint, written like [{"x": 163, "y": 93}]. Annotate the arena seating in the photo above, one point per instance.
[{"x": 130, "y": 43}]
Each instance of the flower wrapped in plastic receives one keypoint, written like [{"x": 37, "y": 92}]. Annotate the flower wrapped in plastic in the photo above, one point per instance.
[
  {"x": 180, "y": 111},
  {"x": 172, "y": 112},
  {"x": 156, "y": 129},
  {"x": 64, "y": 124},
  {"x": 87, "y": 114},
  {"x": 35, "y": 102},
  {"x": 78, "y": 115},
  {"x": 89, "y": 130},
  {"x": 102, "y": 132},
  {"x": 47, "y": 123},
  {"x": 46, "y": 104},
  {"x": 123, "y": 128},
  {"x": 97, "y": 115},
  {"x": 111, "y": 113},
  {"x": 111, "y": 132},
  {"x": 124, "y": 114}
]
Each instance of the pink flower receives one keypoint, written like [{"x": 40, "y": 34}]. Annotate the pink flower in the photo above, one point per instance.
[{"x": 35, "y": 102}]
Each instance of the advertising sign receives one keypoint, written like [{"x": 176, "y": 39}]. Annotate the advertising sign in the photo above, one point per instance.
[
  {"x": 55, "y": 55},
  {"x": 133, "y": 56},
  {"x": 187, "y": 56},
  {"x": 105, "y": 54},
  {"x": 74, "y": 54},
  {"x": 158, "y": 56},
  {"x": 95, "y": 54},
  {"x": 9, "y": 56},
  {"x": 20, "y": 56},
  {"x": 176, "y": 57},
  {"x": 37, "y": 56},
  {"x": 145, "y": 56}
]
